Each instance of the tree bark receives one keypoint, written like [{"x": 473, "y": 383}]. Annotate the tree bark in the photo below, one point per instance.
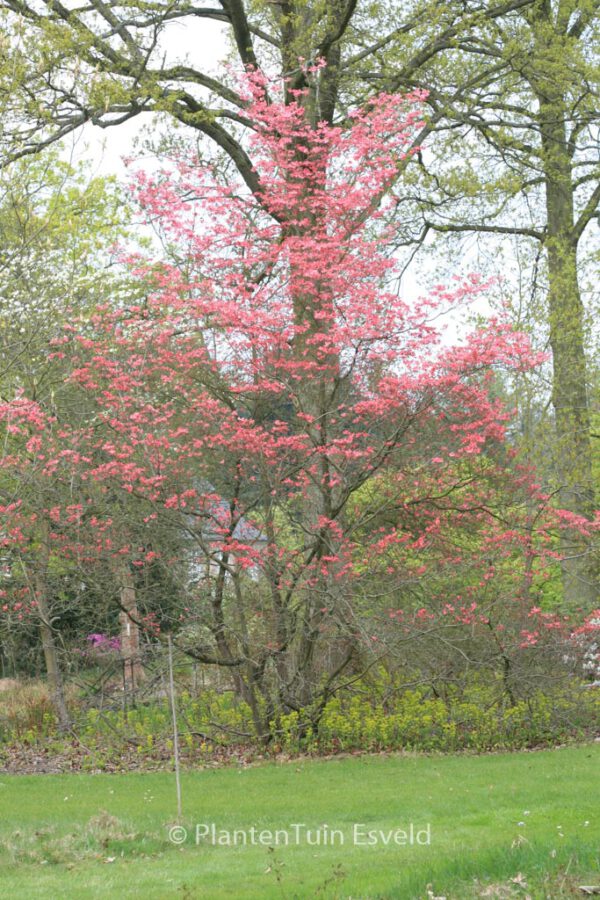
[
  {"x": 53, "y": 671},
  {"x": 572, "y": 422},
  {"x": 130, "y": 632},
  {"x": 570, "y": 400}
]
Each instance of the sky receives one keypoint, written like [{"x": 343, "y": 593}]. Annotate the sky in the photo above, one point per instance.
[{"x": 200, "y": 40}]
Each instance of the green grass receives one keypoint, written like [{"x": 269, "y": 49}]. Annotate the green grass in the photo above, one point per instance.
[{"x": 491, "y": 818}]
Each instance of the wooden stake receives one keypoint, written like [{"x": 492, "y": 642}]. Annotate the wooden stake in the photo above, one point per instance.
[{"x": 175, "y": 731}]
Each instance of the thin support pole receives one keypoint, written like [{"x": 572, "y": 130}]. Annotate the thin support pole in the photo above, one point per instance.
[{"x": 175, "y": 731}]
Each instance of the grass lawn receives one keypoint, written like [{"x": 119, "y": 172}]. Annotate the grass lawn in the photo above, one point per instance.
[{"x": 512, "y": 825}]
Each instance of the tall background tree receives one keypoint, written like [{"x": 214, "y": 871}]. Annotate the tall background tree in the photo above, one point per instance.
[
  {"x": 58, "y": 225},
  {"x": 520, "y": 159}
]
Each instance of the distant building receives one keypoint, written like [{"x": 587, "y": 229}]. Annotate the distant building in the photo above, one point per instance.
[{"x": 215, "y": 533}]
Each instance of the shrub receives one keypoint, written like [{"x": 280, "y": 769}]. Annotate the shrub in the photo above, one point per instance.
[
  {"x": 477, "y": 718},
  {"x": 26, "y": 712}
]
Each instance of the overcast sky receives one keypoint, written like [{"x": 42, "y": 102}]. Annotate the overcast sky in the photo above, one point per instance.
[{"x": 202, "y": 42}]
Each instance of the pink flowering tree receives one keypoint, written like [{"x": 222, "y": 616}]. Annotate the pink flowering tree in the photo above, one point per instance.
[{"x": 336, "y": 473}]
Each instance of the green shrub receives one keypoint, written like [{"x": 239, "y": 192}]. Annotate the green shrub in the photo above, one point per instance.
[
  {"x": 474, "y": 721},
  {"x": 477, "y": 718}
]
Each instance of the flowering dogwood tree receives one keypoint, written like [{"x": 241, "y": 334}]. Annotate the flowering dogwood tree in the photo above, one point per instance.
[{"x": 336, "y": 472}]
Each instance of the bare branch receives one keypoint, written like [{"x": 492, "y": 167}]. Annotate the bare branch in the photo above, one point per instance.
[{"x": 486, "y": 229}]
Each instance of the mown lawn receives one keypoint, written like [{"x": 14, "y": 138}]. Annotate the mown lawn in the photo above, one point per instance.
[{"x": 530, "y": 817}]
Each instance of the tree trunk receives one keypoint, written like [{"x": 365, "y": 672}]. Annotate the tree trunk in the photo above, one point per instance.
[
  {"x": 53, "y": 672},
  {"x": 572, "y": 423},
  {"x": 130, "y": 632},
  {"x": 573, "y": 451}
]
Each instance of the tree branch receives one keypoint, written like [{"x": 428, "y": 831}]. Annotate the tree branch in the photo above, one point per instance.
[
  {"x": 588, "y": 212},
  {"x": 236, "y": 14},
  {"x": 487, "y": 229},
  {"x": 339, "y": 31}
]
